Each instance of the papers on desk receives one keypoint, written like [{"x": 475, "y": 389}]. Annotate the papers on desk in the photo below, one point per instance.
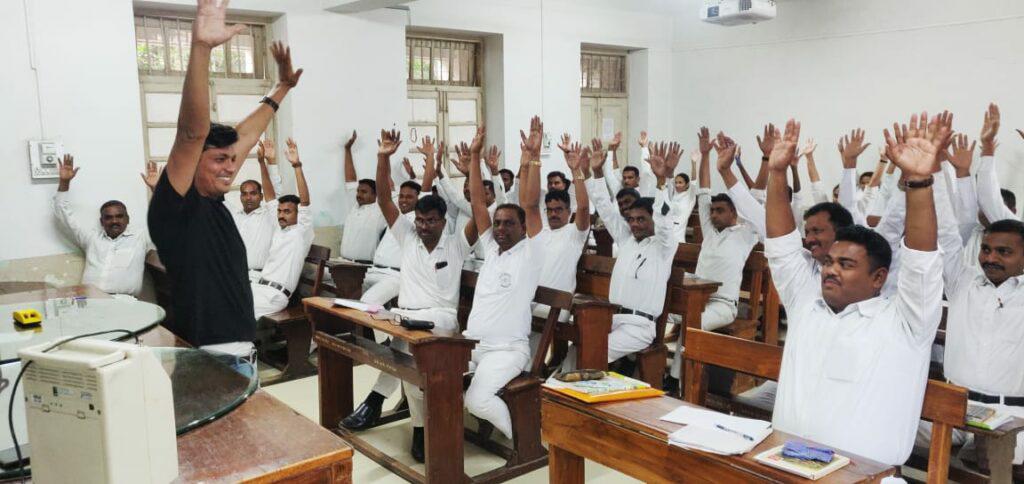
[
  {"x": 613, "y": 387},
  {"x": 358, "y": 305},
  {"x": 985, "y": 417},
  {"x": 716, "y": 432}
]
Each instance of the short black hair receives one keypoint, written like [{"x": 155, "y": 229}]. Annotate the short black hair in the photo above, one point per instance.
[
  {"x": 370, "y": 183},
  {"x": 685, "y": 177},
  {"x": 633, "y": 169},
  {"x": 1006, "y": 226},
  {"x": 558, "y": 196},
  {"x": 866, "y": 173},
  {"x": 259, "y": 188},
  {"x": 721, "y": 197},
  {"x": 489, "y": 184},
  {"x": 561, "y": 175},
  {"x": 506, "y": 171},
  {"x": 879, "y": 252},
  {"x": 646, "y": 204},
  {"x": 511, "y": 206},
  {"x": 412, "y": 185},
  {"x": 627, "y": 192},
  {"x": 113, "y": 203},
  {"x": 432, "y": 203},
  {"x": 1009, "y": 199},
  {"x": 289, "y": 198},
  {"x": 838, "y": 215},
  {"x": 220, "y": 136}
]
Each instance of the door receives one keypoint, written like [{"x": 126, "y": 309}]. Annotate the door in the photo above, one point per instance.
[{"x": 602, "y": 117}]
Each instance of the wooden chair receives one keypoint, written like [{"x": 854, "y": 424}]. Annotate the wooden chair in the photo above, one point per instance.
[
  {"x": 944, "y": 405},
  {"x": 291, "y": 321},
  {"x": 522, "y": 394}
]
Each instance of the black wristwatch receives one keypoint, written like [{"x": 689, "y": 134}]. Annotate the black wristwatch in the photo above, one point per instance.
[
  {"x": 270, "y": 102},
  {"x": 911, "y": 184}
]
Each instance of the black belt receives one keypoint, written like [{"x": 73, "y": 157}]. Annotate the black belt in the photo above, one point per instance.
[
  {"x": 983, "y": 398},
  {"x": 638, "y": 313},
  {"x": 381, "y": 266},
  {"x": 367, "y": 262},
  {"x": 275, "y": 285}
]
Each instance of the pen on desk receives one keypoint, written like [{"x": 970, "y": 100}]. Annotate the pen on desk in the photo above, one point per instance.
[{"x": 741, "y": 434}]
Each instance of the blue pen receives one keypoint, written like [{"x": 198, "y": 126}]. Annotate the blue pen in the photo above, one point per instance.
[{"x": 741, "y": 434}]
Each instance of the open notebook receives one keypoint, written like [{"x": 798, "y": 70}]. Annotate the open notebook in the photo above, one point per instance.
[{"x": 716, "y": 432}]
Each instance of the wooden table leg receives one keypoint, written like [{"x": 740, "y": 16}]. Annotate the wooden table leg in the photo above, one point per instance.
[
  {"x": 999, "y": 451},
  {"x": 593, "y": 325},
  {"x": 564, "y": 467},
  {"x": 335, "y": 378},
  {"x": 298, "y": 336},
  {"x": 442, "y": 365}
]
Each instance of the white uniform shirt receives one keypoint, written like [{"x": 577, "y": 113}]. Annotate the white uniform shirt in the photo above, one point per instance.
[
  {"x": 563, "y": 247},
  {"x": 288, "y": 250},
  {"x": 723, "y": 253},
  {"x": 362, "y": 229},
  {"x": 989, "y": 197},
  {"x": 115, "y": 266},
  {"x": 855, "y": 380},
  {"x": 681, "y": 207},
  {"x": 464, "y": 211},
  {"x": 389, "y": 252},
  {"x": 429, "y": 279},
  {"x": 642, "y": 268},
  {"x": 501, "y": 315},
  {"x": 257, "y": 228}
]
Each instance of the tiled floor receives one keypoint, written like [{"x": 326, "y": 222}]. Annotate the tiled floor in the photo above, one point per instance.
[{"x": 302, "y": 395}]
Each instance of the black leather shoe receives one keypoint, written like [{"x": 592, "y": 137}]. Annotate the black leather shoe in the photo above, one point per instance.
[
  {"x": 417, "y": 444},
  {"x": 364, "y": 417}
]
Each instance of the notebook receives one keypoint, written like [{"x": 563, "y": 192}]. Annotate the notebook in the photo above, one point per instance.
[
  {"x": 716, "y": 432},
  {"x": 808, "y": 469},
  {"x": 612, "y": 387},
  {"x": 985, "y": 417}
]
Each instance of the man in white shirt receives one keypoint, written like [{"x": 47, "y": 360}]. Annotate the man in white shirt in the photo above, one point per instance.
[
  {"x": 431, "y": 276},
  {"x": 364, "y": 224},
  {"x": 851, "y": 196},
  {"x": 115, "y": 255},
  {"x": 500, "y": 319},
  {"x": 494, "y": 194},
  {"x": 257, "y": 222},
  {"x": 723, "y": 252},
  {"x": 381, "y": 282},
  {"x": 289, "y": 246},
  {"x": 851, "y": 355},
  {"x": 646, "y": 246}
]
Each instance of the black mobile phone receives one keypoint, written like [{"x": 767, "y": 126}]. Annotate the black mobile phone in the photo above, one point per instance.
[{"x": 417, "y": 324}]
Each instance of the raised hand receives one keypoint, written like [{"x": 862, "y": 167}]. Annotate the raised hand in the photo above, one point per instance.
[
  {"x": 426, "y": 148},
  {"x": 532, "y": 144},
  {"x": 597, "y": 155},
  {"x": 989, "y": 130},
  {"x": 783, "y": 153},
  {"x": 388, "y": 143},
  {"x": 672, "y": 155},
  {"x": 851, "y": 146},
  {"x": 67, "y": 170},
  {"x": 292, "y": 153},
  {"x": 462, "y": 157},
  {"x": 704, "y": 140},
  {"x": 643, "y": 139},
  {"x": 477, "y": 144},
  {"x": 351, "y": 140},
  {"x": 657, "y": 158},
  {"x": 725, "y": 147},
  {"x": 917, "y": 154},
  {"x": 584, "y": 161},
  {"x": 597, "y": 147},
  {"x": 808, "y": 148},
  {"x": 283, "y": 57},
  {"x": 209, "y": 28},
  {"x": 565, "y": 144},
  {"x": 767, "y": 143},
  {"x": 151, "y": 176},
  {"x": 613, "y": 145},
  {"x": 962, "y": 154},
  {"x": 407, "y": 165},
  {"x": 491, "y": 159},
  {"x": 265, "y": 150},
  {"x": 574, "y": 156}
]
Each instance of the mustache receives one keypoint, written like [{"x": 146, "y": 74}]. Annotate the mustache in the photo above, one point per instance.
[
  {"x": 989, "y": 265},
  {"x": 831, "y": 278}
]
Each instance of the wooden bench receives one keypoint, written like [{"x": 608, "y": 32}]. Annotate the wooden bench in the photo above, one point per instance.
[
  {"x": 292, "y": 324},
  {"x": 944, "y": 405}
]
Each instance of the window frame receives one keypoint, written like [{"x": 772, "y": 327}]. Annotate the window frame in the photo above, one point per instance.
[{"x": 589, "y": 92}]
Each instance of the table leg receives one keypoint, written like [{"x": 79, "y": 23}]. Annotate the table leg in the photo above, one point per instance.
[
  {"x": 335, "y": 378},
  {"x": 564, "y": 467},
  {"x": 999, "y": 451},
  {"x": 442, "y": 365},
  {"x": 593, "y": 325}
]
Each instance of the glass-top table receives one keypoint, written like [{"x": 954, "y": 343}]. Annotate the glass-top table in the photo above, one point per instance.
[{"x": 64, "y": 317}]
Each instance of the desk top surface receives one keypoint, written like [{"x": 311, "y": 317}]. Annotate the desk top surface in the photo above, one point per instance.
[
  {"x": 698, "y": 283},
  {"x": 643, "y": 416},
  {"x": 361, "y": 318}
]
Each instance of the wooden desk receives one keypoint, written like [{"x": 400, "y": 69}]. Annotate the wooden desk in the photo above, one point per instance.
[
  {"x": 994, "y": 450},
  {"x": 437, "y": 364},
  {"x": 629, "y": 437}
]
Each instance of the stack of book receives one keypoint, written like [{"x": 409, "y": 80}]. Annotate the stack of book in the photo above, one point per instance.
[{"x": 611, "y": 387}]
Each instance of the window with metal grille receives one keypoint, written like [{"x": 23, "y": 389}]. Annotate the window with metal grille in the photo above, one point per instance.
[
  {"x": 441, "y": 62},
  {"x": 602, "y": 73},
  {"x": 162, "y": 46}
]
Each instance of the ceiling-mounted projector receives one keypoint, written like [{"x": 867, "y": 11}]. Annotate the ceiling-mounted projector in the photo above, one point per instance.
[{"x": 737, "y": 12}]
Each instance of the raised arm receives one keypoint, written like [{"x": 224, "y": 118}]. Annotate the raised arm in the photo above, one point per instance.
[
  {"x": 265, "y": 155},
  {"x": 577, "y": 158},
  {"x": 491, "y": 157},
  {"x": 427, "y": 149},
  {"x": 704, "y": 138},
  {"x": 350, "y": 167},
  {"x": 387, "y": 146},
  {"x": 62, "y": 206},
  {"x": 529, "y": 195},
  {"x": 477, "y": 198},
  {"x": 917, "y": 157},
  {"x": 597, "y": 192},
  {"x": 151, "y": 176},
  {"x": 250, "y": 129},
  {"x": 613, "y": 147},
  {"x": 766, "y": 144},
  {"x": 779, "y": 220},
  {"x": 989, "y": 198},
  {"x": 850, "y": 147},
  {"x": 300, "y": 179},
  {"x": 743, "y": 170}
]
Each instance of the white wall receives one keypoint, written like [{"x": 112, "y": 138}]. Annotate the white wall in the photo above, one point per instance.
[{"x": 838, "y": 64}]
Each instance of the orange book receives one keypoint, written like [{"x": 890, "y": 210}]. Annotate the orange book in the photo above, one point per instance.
[{"x": 613, "y": 387}]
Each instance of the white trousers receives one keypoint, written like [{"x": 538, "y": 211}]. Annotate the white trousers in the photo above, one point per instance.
[
  {"x": 443, "y": 319},
  {"x": 493, "y": 369},
  {"x": 630, "y": 333},
  {"x": 379, "y": 287},
  {"x": 717, "y": 314},
  {"x": 267, "y": 300}
]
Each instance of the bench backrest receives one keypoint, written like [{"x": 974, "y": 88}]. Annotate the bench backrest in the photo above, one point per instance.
[
  {"x": 944, "y": 405},
  {"x": 312, "y": 277}
]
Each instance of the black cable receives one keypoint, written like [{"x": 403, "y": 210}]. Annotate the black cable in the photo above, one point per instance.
[{"x": 14, "y": 388}]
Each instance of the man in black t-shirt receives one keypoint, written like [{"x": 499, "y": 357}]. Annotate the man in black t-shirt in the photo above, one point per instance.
[{"x": 194, "y": 233}]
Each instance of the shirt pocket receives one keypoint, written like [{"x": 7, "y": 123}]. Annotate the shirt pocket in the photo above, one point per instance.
[
  {"x": 121, "y": 257},
  {"x": 847, "y": 362}
]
